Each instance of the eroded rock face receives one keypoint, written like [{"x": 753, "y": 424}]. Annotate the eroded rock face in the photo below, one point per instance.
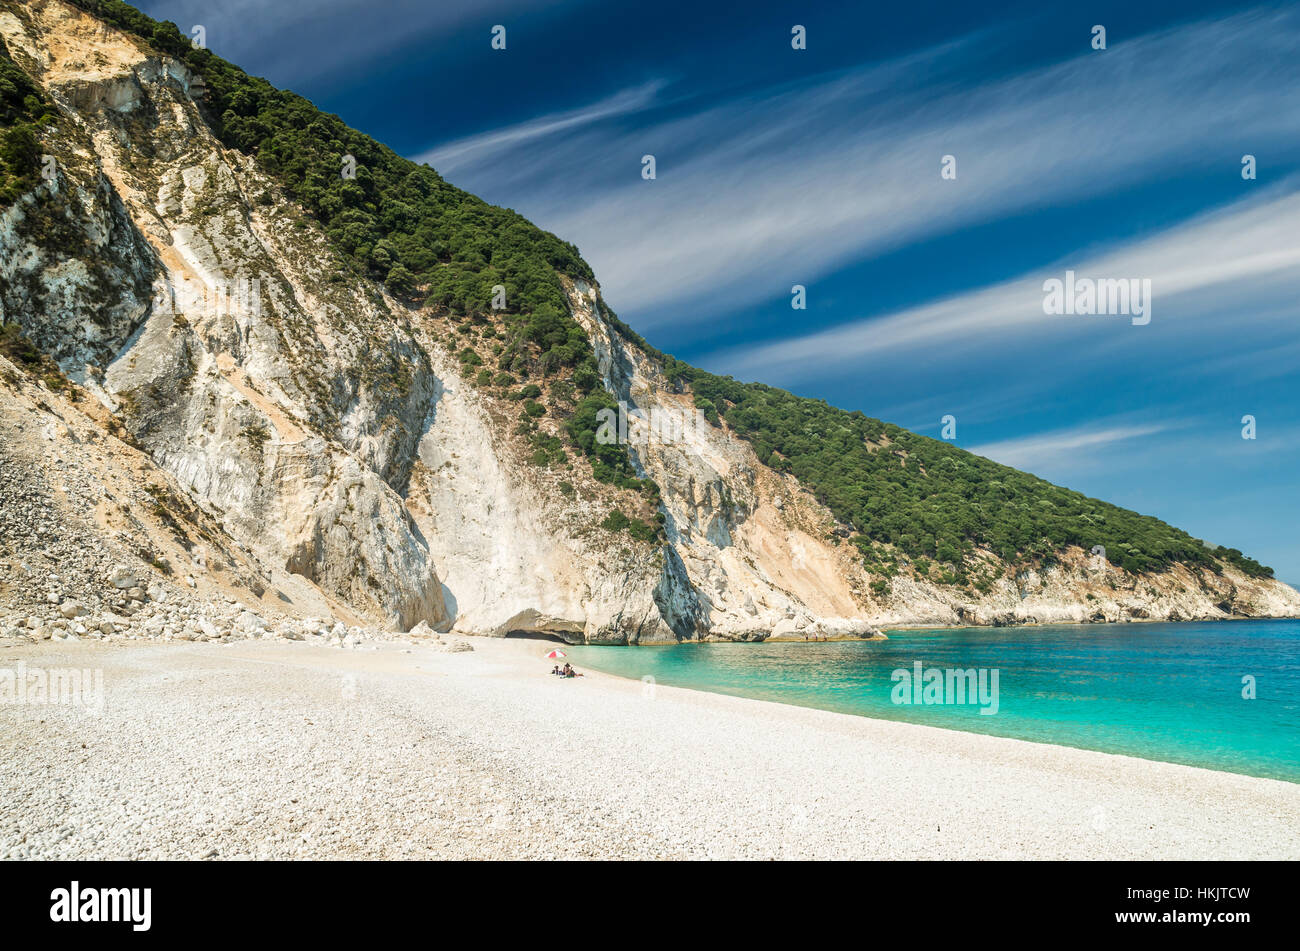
[
  {"x": 332, "y": 436},
  {"x": 513, "y": 553},
  {"x": 752, "y": 566},
  {"x": 74, "y": 250},
  {"x": 285, "y": 403}
]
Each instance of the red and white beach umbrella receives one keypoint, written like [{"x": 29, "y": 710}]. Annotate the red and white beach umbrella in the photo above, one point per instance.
[{"x": 556, "y": 655}]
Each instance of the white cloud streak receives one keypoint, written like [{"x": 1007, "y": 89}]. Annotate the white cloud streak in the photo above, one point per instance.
[
  {"x": 447, "y": 158},
  {"x": 760, "y": 192},
  {"x": 1047, "y": 451},
  {"x": 1239, "y": 261}
]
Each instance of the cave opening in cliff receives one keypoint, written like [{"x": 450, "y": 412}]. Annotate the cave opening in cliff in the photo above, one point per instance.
[{"x": 536, "y": 636}]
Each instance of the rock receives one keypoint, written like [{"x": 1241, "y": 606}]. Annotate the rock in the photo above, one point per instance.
[
  {"x": 786, "y": 629},
  {"x": 70, "y": 609},
  {"x": 157, "y": 593},
  {"x": 454, "y": 645},
  {"x": 136, "y": 594},
  {"x": 249, "y": 621},
  {"x": 122, "y": 577},
  {"x": 422, "y": 631}
]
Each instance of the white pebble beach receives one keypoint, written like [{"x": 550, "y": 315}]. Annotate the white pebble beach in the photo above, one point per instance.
[{"x": 292, "y": 750}]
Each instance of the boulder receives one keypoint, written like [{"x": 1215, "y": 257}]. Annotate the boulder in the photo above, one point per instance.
[
  {"x": 122, "y": 577},
  {"x": 71, "y": 608},
  {"x": 786, "y": 629},
  {"x": 423, "y": 631}
]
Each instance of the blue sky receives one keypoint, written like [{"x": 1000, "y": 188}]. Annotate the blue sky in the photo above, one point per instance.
[{"x": 821, "y": 167}]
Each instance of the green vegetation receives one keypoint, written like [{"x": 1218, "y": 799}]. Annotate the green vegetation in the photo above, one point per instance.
[
  {"x": 609, "y": 461},
  {"x": 617, "y": 522},
  {"x": 17, "y": 348},
  {"x": 547, "y": 450},
  {"x": 22, "y": 353},
  {"x": 23, "y": 111}
]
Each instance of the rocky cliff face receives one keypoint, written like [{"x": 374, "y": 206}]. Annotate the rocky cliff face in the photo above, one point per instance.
[{"x": 328, "y": 438}]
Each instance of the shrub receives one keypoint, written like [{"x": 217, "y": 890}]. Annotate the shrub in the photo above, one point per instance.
[{"x": 615, "y": 521}]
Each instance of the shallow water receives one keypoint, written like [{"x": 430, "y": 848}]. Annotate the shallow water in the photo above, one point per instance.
[{"x": 1171, "y": 692}]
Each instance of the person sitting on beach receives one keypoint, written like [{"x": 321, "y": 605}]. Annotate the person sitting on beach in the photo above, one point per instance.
[
  {"x": 556, "y": 671},
  {"x": 570, "y": 672}
]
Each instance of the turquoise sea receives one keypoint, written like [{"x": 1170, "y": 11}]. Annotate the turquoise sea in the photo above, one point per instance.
[{"x": 1171, "y": 692}]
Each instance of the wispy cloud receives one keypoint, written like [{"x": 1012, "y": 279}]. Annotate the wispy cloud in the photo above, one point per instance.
[
  {"x": 765, "y": 190},
  {"x": 1053, "y": 450},
  {"x": 1242, "y": 260},
  {"x": 479, "y": 148}
]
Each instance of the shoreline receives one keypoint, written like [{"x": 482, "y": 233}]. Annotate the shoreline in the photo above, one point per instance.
[
  {"x": 875, "y": 715},
  {"x": 1085, "y": 623},
  {"x": 882, "y": 633},
  {"x": 288, "y": 749},
  {"x": 948, "y": 729}
]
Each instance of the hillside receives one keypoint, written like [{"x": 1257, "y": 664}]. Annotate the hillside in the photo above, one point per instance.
[
  {"x": 401, "y": 223},
  {"x": 296, "y": 329}
]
